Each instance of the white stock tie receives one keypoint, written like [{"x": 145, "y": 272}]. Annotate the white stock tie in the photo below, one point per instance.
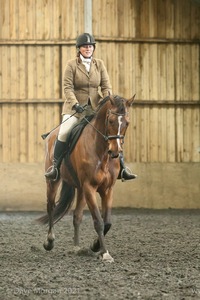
[{"x": 86, "y": 62}]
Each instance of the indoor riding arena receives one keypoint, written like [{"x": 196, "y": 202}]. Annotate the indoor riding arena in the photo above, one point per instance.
[{"x": 151, "y": 49}]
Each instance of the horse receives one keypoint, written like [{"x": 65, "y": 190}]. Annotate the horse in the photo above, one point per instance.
[{"x": 93, "y": 167}]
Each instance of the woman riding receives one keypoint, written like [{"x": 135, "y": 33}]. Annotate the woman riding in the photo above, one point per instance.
[{"x": 83, "y": 77}]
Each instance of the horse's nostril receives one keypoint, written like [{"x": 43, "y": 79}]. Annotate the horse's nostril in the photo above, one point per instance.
[{"x": 112, "y": 154}]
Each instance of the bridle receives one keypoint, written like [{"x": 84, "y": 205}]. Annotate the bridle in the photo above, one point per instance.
[
  {"x": 113, "y": 137},
  {"x": 105, "y": 136}
]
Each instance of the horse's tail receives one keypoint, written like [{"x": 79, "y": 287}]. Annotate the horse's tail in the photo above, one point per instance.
[{"x": 63, "y": 205}]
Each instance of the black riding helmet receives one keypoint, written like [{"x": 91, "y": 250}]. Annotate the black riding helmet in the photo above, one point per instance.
[{"x": 85, "y": 39}]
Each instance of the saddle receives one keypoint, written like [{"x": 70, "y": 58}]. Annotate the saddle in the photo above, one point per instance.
[
  {"x": 71, "y": 141},
  {"x": 75, "y": 133}
]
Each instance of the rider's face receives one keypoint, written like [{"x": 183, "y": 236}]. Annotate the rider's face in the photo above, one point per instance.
[{"x": 87, "y": 50}]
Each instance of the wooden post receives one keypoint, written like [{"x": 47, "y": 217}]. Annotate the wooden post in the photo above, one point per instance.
[{"x": 88, "y": 16}]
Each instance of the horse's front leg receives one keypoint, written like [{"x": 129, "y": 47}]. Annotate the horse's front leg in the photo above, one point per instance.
[
  {"x": 90, "y": 196},
  {"x": 51, "y": 194},
  {"x": 78, "y": 216},
  {"x": 106, "y": 201}
]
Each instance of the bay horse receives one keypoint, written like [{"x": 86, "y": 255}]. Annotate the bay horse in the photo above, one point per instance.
[{"x": 94, "y": 169}]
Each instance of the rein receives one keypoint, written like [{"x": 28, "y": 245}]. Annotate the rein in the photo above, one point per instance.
[{"x": 107, "y": 137}]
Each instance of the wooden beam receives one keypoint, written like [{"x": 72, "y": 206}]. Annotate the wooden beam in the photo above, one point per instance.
[
  {"x": 136, "y": 102},
  {"x": 101, "y": 39}
]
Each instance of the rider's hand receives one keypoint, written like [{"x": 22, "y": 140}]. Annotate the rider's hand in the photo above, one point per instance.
[{"x": 78, "y": 108}]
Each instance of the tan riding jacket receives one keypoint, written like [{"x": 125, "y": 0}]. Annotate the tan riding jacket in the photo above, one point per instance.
[{"x": 79, "y": 85}]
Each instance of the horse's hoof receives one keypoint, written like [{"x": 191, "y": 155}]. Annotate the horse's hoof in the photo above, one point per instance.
[
  {"x": 107, "y": 257},
  {"x": 76, "y": 249},
  {"x": 48, "y": 246},
  {"x": 95, "y": 247}
]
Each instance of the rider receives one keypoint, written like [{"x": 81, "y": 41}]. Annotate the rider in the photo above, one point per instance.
[{"x": 83, "y": 77}]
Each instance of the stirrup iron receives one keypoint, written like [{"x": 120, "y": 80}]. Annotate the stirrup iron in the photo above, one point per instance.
[
  {"x": 56, "y": 173},
  {"x": 128, "y": 172}
]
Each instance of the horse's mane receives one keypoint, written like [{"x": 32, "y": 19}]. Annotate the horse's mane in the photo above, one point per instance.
[{"x": 119, "y": 103}]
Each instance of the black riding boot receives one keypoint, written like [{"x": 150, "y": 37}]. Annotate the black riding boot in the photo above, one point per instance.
[
  {"x": 125, "y": 173},
  {"x": 53, "y": 172}
]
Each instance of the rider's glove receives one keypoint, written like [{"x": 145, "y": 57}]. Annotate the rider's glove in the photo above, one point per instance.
[{"x": 78, "y": 108}]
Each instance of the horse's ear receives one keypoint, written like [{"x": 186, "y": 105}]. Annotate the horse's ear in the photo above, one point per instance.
[
  {"x": 111, "y": 98},
  {"x": 89, "y": 101},
  {"x": 130, "y": 101}
]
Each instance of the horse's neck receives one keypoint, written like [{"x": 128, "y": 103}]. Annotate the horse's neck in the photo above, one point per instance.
[
  {"x": 99, "y": 123},
  {"x": 100, "y": 120}
]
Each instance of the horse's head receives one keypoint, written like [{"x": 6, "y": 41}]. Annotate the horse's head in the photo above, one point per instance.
[{"x": 116, "y": 124}]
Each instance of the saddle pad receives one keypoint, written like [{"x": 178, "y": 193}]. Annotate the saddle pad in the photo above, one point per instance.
[
  {"x": 71, "y": 142},
  {"x": 76, "y": 132}
]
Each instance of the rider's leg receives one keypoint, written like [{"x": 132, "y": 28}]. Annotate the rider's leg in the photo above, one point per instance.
[
  {"x": 60, "y": 146},
  {"x": 125, "y": 173}
]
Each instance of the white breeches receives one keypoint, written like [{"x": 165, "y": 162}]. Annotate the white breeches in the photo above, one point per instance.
[{"x": 66, "y": 126}]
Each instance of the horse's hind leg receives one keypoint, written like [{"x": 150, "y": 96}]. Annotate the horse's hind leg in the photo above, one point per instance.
[
  {"x": 95, "y": 247},
  {"x": 51, "y": 194},
  {"x": 78, "y": 215}
]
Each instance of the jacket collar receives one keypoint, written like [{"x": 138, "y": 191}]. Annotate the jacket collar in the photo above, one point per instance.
[{"x": 82, "y": 67}]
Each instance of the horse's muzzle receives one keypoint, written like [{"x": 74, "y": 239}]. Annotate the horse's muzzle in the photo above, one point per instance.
[{"x": 113, "y": 154}]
